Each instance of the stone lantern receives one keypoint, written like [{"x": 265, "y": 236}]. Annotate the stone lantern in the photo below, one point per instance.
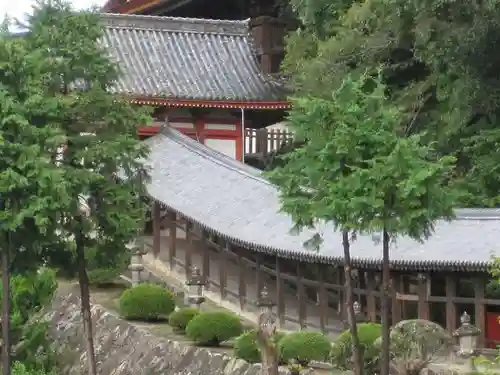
[
  {"x": 196, "y": 285},
  {"x": 136, "y": 265},
  {"x": 358, "y": 312},
  {"x": 467, "y": 335}
]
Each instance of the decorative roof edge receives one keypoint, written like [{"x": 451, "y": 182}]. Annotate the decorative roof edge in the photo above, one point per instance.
[
  {"x": 315, "y": 257},
  {"x": 229, "y": 104},
  {"x": 132, "y": 6},
  {"x": 176, "y": 24}
]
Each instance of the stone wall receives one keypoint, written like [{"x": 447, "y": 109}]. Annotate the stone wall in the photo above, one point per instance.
[{"x": 124, "y": 349}]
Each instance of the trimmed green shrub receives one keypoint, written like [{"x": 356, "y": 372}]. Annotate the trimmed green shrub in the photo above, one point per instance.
[
  {"x": 246, "y": 348},
  {"x": 304, "y": 347},
  {"x": 179, "y": 319},
  {"x": 212, "y": 328},
  {"x": 342, "y": 353},
  {"x": 148, "y": 302}
]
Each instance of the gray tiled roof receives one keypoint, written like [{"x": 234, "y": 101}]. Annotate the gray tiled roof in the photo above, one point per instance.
[
  {"x": 231, "y": 199},
  {"x": 186, "y": 58}
]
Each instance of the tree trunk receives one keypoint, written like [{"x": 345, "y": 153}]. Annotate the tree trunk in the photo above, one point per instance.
[
  {"x": 6, "y": 357},
  {"x": 349, "y": 301},
  {"x": 386, "y": 325},
  {"x": 83, "y": 280}
]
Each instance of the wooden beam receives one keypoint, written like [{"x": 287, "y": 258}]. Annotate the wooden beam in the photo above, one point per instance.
[{"x": 156, "y": 228}]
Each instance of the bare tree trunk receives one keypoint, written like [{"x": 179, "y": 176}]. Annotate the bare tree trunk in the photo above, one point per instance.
[
  {"x": 83, "y": 281},
  {"x": 6, "y": 355},
  {"x": 349, "y": 301},
  {"x": 268, "y": 352},
  {"x": 386, "y": 325}
]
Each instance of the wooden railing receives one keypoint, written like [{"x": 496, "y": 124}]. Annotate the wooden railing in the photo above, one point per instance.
[{"x": 264, "y": 141}]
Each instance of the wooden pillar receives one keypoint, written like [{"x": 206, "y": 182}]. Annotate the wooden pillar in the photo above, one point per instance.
[
  {"x": 301, "y": 293},
  {"x": 242, "y": 289},
  {"x": 258, "y": 274},
  {"x": 223, "y": 250},
  {"x": 189, "y": 249},
  {"x": 396, "y": 303},
  {"x": 451, "y": 308},
  {"x": 323, "y": 297},
  {"x": 280, "y": 293},
  {"x": 423, "y": 304},
  {"x": 205, "y": 257},
  {"x": 371, "y": 303},
  {"x": 172, "y": 238},
  {"x": 156, "y": 229},
  {"x": 480, "y": 310}
]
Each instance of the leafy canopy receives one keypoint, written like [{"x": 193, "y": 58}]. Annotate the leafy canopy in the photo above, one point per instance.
[
  {"x": 438, "y": 65},
  {"x": 356, "y": 171},
  {"x": 32, "y": 188},
  {"x": 99, "y": 127}
]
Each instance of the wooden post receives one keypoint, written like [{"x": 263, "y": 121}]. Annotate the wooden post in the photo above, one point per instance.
[
  {"x": 242, "y": 290},
  {"x": 396, "y": 303},
  {"x": 188, "y": 251},
  {"x": 206, "y": 257},
  {"x": 323, "y": 297},
  {"x": 280, "y": 291},
  {"x": 258, "y": 274},
  {"x": 451, "y": 308},
  {"x": 423, "y": 304},
  {"x": 172, "y": 238},
  {"x": 302, "y": 297},
  {"x": 480, "y": 310},
  {"x": 156, "y": 229},
  {"x": 371, "y": 303},
  {"x": 223, "y": 249}
]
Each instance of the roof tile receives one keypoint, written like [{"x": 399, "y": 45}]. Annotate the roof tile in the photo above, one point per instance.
[
  {"x": 185, "y": 58},
  {"x": 231, "y": 199}
]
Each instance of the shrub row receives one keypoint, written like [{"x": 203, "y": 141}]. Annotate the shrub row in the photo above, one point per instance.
[
  {"x": 302, "y": 346},
  {"x": 151, "y": 302}
]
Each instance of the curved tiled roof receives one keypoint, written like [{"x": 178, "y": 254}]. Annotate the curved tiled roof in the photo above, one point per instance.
[
  {"x": 184, "y": 58},
  {"x": 233, "y": 200}
]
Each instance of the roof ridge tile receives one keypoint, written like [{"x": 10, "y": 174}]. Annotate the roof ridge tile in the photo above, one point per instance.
[{"x": 176, "y": 24}]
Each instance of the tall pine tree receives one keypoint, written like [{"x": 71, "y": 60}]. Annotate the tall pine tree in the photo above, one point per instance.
[
  {"x": 33, "y": 190},
  {"x": 100, "y": 139},
  {"x": 356, "y": 172}
]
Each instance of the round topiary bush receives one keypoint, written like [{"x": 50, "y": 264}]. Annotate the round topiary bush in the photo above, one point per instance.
[
  {"x": 342, "y": 353},
  {"x": 146, "y": 302},
  {"x": 179, "y": 319},
  {"x": 304, "y": 347},
  {"x": 212, "y": 328},
  {"x": 246, "y": 348}
]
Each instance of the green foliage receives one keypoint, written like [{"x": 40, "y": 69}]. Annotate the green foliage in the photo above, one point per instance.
[
  {"x": 148, "y": 302},
  {"x": 437, "y": 64},
  {"x": 104, "y": 264},
  {"x": 246, "y": 347},
  {"x": 29, "y": 336},
  {"x": 304, "y": 347},
  {"x": 99, "y": 130},
  {"x": 214, "y": 327},
  {"x": 180, "y": 319},
  {"x": 356, "y": 172},
  {"x": 18, "y": 368},
  {"x": 32, "y": 291},
  {"x": 342, "y": 350}
]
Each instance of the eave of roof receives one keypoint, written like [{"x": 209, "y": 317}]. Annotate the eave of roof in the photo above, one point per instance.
[
  {"x": 133, "y": 6},
  {"x": 189, "y": 62},
  {"x": 233, "y": 201}
]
